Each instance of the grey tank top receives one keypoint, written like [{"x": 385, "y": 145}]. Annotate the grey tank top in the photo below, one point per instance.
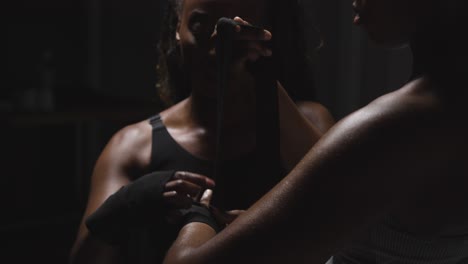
[{"x": 385, "y": 244}]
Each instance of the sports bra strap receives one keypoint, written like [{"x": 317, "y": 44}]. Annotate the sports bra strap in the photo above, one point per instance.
[{"x": 156, "y": 122}]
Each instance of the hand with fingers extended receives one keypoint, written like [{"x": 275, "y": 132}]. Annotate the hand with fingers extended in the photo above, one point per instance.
[{"x": 145, "y": 201}]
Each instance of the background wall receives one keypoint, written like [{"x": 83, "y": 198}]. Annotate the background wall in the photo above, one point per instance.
[
  {"x": 350, "y": 70},
  {"x": 78, "y": 70}
]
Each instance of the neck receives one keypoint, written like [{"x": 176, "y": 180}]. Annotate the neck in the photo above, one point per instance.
[{"x": 239, "y": 108}]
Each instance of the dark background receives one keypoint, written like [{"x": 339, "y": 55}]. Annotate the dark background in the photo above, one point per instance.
[{"x": 78, "y": 70}]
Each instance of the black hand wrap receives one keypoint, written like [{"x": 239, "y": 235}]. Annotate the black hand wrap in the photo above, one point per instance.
[
  {"x": 200, "y": 214},
  {"x": 139, "y": 203}
]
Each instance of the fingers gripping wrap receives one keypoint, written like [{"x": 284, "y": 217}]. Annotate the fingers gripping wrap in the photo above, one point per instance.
[{"x": 136, "y": 204}]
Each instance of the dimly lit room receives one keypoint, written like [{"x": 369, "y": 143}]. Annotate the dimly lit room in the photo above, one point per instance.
[{"x": 92, "y": 85}]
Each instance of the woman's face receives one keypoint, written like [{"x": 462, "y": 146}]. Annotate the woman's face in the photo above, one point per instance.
[
  {"x": 196, "y": 24},
  {"x": 391, "y": 22}
]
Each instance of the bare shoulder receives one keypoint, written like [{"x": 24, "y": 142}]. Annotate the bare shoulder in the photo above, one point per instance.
[
  {"x": 396, "y": 137},
  {"x": 131, "y": 136},
  {"x": 125, "y": 157},
  {"x": 405, "y": 120},
  {"x": 317, "y": 114},
  {"x": 409, "y": 106},
  {"x": 131, "y": 145}
]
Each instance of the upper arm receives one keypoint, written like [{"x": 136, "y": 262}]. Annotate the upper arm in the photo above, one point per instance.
[{"x": 128, "y": 152}]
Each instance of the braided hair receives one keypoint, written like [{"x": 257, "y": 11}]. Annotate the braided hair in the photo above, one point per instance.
[{"x": 169, "y": 70}]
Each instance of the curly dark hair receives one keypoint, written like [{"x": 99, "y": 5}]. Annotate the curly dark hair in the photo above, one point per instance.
[
  {"x": 287, "y": 24},
  {"x": 169, "y": 70}
]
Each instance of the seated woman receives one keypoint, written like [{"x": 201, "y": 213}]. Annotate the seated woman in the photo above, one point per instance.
[
  {"x": 183, "y": 139},
  {"x": 388, "y": 183}
]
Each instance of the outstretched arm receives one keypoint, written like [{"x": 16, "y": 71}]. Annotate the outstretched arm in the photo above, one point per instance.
[{"x": 355, "y": 174}]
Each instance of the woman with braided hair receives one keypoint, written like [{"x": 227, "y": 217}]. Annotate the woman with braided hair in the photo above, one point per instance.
[
  {"x": 131, "y": 218},
  {"x": 293, "y": 56}
]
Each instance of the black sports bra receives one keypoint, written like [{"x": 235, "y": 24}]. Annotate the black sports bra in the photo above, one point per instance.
[{"x": 238, "y": 188}]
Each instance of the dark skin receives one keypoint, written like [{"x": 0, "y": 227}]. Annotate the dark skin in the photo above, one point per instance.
[
  {"x": 317, "y": 114},
  {"x": 192, "y": 122},
  {"x": 403, "y": 155}
]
